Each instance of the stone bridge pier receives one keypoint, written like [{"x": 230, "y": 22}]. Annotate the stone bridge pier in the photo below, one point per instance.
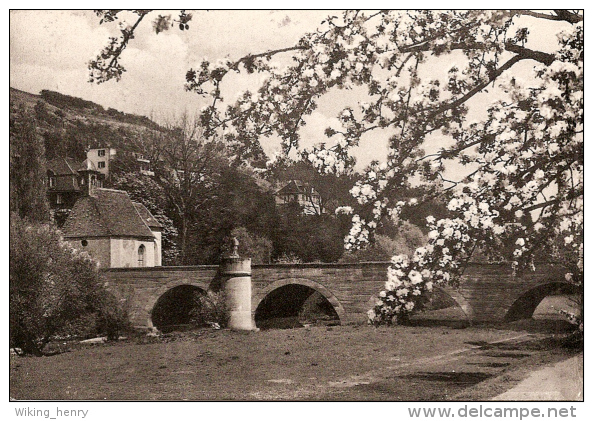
[{"x": 235, "y": 275}]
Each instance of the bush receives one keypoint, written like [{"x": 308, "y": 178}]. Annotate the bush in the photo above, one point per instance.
[
  {"x": 53, "y": 288},
  {"x": 112, "y": 318},
  {"x": 407, "y": 239},
  {"x": 211, "y": 308},
  {"x": 61, "y": 100},
  {"x": 84, "y": 327},
  {"x": 288, "y": 258}
]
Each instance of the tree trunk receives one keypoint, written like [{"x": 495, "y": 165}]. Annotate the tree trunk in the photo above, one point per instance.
[{"x": 184, "y": 230}]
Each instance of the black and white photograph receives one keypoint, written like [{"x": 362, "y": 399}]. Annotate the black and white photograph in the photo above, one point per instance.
[{"x": 297, "y": 206}]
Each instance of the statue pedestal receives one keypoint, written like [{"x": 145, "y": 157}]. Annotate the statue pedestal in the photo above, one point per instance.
[{"x": 236, "y": 274}]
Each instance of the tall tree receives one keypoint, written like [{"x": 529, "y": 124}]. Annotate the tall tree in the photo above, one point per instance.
[
  {"x": 187, "y": 166},
  {"x": 27, "y": 167}
]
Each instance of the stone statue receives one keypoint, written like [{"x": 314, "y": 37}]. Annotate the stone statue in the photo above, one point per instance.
[{"x": 235, "y": 252}]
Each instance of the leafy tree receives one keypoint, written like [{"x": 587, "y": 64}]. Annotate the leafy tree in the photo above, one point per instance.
[
  {"x": 27, "y": 167},
  {"x": 512, "y": 113},
  {"x": 187, "y": 166},
  {"x": 245, "y": 200},
  {"x": 241, "y": 200},
  {"x": 307, "y": 238},
  {"x": 42, "y": 114},
  {"x": 258, "y": 249},
  {"x": 54, "y": 144},
  {"x": 51, "y": 285}
]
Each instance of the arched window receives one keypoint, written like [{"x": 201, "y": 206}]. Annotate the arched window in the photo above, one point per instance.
[{"x": 141, "y": 250}]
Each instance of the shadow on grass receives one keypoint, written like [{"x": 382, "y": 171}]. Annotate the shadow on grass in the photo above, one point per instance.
[
  {"x": 554, "y": 326},
  {"x": 490, "y": 365},
  {"x": 506, "y": 355},
  {"x": 453, "y": 324},
  {"x": 456, "y": 378},
  {"x": 425, "y": 386},
  {"x": 294, "y": 323},
  {"x": 565, "y": 341}
]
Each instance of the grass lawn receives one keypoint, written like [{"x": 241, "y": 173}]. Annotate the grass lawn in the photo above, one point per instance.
[{"x": 317, "y": 363}]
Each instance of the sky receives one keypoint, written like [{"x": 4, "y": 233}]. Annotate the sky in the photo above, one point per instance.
[{"x": 50, "y": 49}]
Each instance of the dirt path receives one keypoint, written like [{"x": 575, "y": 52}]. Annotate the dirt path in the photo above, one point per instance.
[
  {"x": 562, "y": 381},
  {"x": 448, "y": 357},
  {"x": 448, "y": 376}
]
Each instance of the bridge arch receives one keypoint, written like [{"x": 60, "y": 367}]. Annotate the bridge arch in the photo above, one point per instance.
[
  {"x": 164, "y": 289},
  {"x": 459, "y": 299},
  {"x": 258, "y": 299},
  {"x": 524, "y": 306}
]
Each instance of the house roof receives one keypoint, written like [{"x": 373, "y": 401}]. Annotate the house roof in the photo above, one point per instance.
[
  {"x": 63, "y": 166},
  {"x": 107, "y": 213},
  {"x": 65, "y": 172},
  {"x": 148, "y": 218},
  {"x": 296, "y": 187},
  {"x": 87, "y": 165}
]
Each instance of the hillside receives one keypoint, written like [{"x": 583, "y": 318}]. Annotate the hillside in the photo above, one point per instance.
[
  {"x": 80, "y": 107},
  {"x": 70, "y": 125},
  {"x": 23, "y": 97}
]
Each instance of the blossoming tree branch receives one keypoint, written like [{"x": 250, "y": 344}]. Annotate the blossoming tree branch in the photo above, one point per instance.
[{"x": 424, "y": 72}]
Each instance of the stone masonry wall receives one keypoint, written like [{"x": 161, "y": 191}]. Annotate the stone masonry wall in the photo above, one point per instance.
[
  {"x": 142, "y": 287},
  {"x": 486, "y": 291}
]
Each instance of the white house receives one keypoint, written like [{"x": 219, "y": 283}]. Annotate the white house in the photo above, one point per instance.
[{"x": 101, "y": 158}]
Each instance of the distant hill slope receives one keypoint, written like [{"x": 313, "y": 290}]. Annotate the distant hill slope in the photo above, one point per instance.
[
  {"x": 79, "y": 106},
  {"x": 23, "y": 97},
  {"x": 70, "y": 125}
]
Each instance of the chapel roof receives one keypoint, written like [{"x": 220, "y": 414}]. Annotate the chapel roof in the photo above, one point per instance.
[
  {"x": 107, "y": 213},
  {"x": 148, "y": 218}
]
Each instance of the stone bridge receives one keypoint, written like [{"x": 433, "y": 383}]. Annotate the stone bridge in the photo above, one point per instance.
[{"x": 487, "y": 292}]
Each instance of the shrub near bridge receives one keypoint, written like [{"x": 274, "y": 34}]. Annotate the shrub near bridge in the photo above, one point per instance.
[
  {"x": 211, "y": 309},
  {"x": 52, "y": 288}
]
